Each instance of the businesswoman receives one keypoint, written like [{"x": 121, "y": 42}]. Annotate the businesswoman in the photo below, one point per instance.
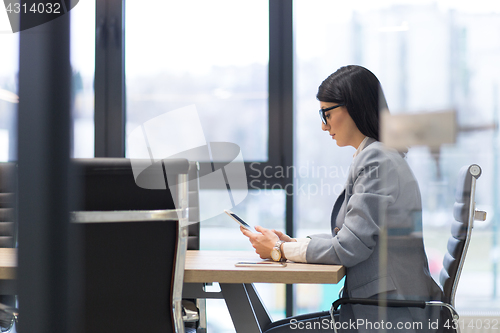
[{"x": 375, "y": 223}]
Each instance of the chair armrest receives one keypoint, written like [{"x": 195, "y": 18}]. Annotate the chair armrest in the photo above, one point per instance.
[
  {"x": 391, "y": 303},
  {"x": 381, "y": 302},
  {"x": 394, "y": 303}
]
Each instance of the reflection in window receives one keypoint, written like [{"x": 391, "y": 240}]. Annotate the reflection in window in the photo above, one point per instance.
[{"x": 428, "y": 56}]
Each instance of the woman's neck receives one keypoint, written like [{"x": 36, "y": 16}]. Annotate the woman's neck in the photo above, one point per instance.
[{"x": 358, "y": 140}]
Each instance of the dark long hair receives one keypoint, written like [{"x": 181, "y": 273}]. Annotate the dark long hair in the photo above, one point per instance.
[{"x": 361, "y": 92}]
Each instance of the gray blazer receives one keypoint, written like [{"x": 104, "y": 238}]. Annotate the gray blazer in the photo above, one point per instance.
[{"x": 380, "y": 204}]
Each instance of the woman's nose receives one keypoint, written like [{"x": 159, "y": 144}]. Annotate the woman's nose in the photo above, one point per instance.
[{"x": 325, "y": 127}]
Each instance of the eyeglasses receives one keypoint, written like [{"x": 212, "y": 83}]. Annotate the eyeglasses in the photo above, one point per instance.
[{"x": 322, "y": 112}]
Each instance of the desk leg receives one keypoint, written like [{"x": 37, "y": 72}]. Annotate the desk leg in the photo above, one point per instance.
[
  {"x": 196, "y": 290},
  {"x": 259, "y": 308},
  {"x": 247, "y": 311}
]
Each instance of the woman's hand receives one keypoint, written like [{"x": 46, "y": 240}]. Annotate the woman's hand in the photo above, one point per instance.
[
  {"x": 263, "y": 242},
  {"x": 283, "y": 237}
]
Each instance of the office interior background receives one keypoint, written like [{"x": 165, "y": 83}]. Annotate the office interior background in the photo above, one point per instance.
[{"x": 252, "y": 71}]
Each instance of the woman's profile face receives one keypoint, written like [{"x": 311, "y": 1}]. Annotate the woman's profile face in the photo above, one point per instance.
[{"x": 340, "y": 126}]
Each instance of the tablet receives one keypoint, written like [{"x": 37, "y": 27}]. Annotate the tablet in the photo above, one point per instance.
[{"x": 239, "y": 220}]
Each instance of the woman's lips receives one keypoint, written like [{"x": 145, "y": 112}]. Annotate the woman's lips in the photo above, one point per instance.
[{"x": 333, "y": 136}]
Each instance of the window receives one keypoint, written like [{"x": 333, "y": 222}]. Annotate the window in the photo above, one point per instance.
[
  {"x": 211, "y": 54},
  {"x": 83, "y": 65}
]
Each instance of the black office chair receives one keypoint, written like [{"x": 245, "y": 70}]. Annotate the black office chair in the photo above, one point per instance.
[
  {"x": 464, "y": 213},
  {"x": 135, "y": 242},
  {"x": 104, "y": 178},
  {"x": 129, "y": 270}
]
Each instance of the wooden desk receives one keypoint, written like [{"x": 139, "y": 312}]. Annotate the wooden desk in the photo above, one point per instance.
[
  {"x": 8, "y": 268},
  {"x": 244, "y": 304},
  {"x": 247, "y": 311},
  {"x": 8, "y": 263},
  {"x": 218, "y": 266}
]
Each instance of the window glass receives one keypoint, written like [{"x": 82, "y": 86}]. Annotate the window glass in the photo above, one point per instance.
[
  {"x": 211, "y": 54},
  {"x": 9, "y": 99},
  {"x": 83, "y": 67},
  {"x": 429, "y": 56},
  {"x": 82, "y": 62}
]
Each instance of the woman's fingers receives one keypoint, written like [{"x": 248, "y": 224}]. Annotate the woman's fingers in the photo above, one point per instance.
[
  {"x": 266, "y": 232},
  {"x": 282, "y": 236},
  {"x": 246, "y": 232},
  {"x": 260, "y": 229}
]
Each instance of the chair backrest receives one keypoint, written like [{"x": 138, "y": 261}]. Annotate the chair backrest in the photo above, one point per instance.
[
  {"x": 7, "y": 204},
  {"x": 103, "y": 179},
  {"x": 461, "y": 228},
  {"x": 129, "y": 273},
  {"x": 128, "y": 265},
  {"x": 109, "y": 184}
]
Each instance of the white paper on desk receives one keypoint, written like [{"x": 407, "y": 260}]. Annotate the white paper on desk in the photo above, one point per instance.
[{"x": 260, "y": 264}]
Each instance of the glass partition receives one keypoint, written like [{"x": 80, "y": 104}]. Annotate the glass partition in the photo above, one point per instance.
[{"x": 429, "y": 56}]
